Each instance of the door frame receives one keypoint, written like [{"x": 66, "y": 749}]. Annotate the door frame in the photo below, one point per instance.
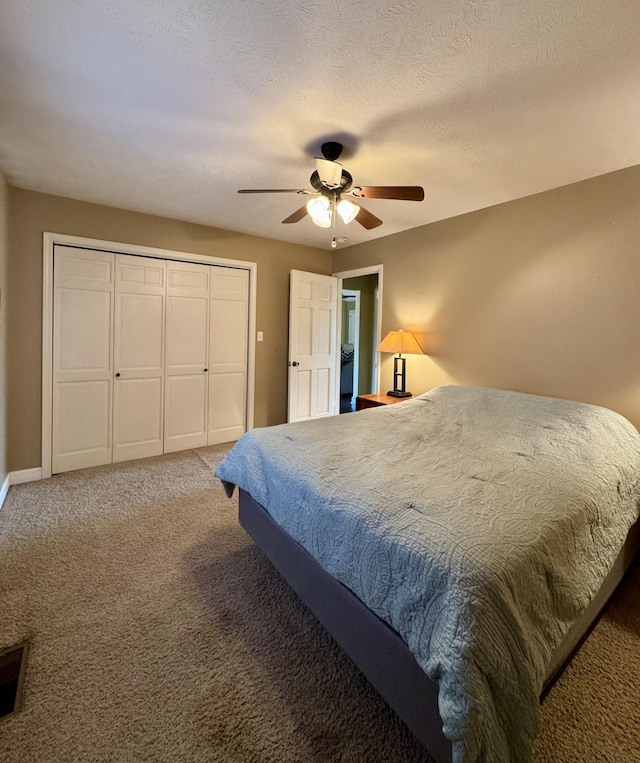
[
  {"x": 366, "y": 271},
  {"x": 49, "y": 241}
]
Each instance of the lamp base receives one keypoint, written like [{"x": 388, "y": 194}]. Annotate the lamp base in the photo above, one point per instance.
[{"x": 398, "y": 393}]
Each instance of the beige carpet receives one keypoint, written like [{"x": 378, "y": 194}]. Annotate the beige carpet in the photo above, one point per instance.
[{"x": 160, "y": 633}]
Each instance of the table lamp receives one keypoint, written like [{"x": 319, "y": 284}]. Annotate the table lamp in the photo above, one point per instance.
[{"x": 400, "y": 341}]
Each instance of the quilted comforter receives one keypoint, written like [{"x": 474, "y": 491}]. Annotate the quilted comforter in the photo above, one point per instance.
[{"x": 477, "y": 523}]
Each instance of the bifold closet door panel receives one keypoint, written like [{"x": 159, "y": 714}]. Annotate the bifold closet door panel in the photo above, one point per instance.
[
  {"x": 228, "y": 354},
  {"x": 186, "y": 358},
  {"x": 83, "y": 283},
  {"x": 138, "y": 403}
]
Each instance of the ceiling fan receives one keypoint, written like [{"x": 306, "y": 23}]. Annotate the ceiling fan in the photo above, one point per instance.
[{"x": 331, "y": 183}]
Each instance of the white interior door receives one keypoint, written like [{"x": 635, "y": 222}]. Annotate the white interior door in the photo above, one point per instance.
[
  {"x": 138, "y": 403},
  {"x": 228, "y": 354},
  {"x": 312, "y": 345},
  {"x": 83, "y": 283},
  {"x": 187, "y": 344}
]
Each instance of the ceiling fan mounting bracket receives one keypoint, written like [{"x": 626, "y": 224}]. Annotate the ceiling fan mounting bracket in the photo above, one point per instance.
[{"x": 331, "y": 150}]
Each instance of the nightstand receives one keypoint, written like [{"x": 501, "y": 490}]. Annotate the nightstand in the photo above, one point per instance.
[{"x": 379, "y": 398}]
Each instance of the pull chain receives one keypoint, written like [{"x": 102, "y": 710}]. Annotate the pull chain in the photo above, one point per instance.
[{"x": 334, "y": 243}]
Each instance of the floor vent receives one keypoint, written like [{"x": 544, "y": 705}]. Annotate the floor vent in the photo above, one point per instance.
[{"x": 12, "y": 666}]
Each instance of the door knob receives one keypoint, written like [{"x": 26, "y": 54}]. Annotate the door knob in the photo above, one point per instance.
[
  {"x": 118, "y": 375},
  {"x": 294, "y": 364},
  {"x": 205, "y": 370}
]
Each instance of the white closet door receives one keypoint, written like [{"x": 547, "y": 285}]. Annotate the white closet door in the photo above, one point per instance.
[
  {"x": 138, "y": 403},
  {"x": 228, "y": 354},
  {"x": 82, "y": 352},
  {"x": 186, "y": 370}
]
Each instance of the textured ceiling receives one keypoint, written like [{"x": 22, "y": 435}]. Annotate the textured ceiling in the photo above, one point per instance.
[{"x": 170, "y": 106}]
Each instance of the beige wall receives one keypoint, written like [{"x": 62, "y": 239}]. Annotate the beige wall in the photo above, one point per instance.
[
  {"x": 539, "y": 295},
  {"x": 33, "y": 213},
  {"x": 4, "y": 252}
]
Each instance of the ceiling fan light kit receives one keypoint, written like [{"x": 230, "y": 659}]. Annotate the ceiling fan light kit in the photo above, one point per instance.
[
  {"x": 347, "y": 210},
  {"x": 331, "y": 181},
  {"x": 319, "y": 210}
]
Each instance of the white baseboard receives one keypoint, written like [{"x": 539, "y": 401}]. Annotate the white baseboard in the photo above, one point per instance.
[
  {"x": 25, "y": 475},
  {"x": 4, "y": 489},
  {"x": 19, "y": 478}
]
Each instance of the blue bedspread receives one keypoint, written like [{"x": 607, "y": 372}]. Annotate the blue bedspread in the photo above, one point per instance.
[{"x": 478, "y": 523}]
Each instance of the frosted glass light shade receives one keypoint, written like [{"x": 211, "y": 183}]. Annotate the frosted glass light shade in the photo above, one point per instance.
[
  {"x": 329, "y": 172},
  {"x": 319, "y": 210},
  {"x": 401, "y": 342},
  {"x": 348, "y": 210}
]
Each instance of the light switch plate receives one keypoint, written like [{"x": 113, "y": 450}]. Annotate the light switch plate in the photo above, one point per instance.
[{"x": 260, "y": 336}]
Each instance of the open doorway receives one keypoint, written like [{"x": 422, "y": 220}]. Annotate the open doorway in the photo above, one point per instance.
[
  {"x": 349, "y": 350},
  {"x": 359, "y": 335}
]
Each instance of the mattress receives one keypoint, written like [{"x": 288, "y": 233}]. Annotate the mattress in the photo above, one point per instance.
[{"x": 478, "y": 524}]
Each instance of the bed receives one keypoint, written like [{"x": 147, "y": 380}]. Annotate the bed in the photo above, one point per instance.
[{"x": 458, "y": 546}]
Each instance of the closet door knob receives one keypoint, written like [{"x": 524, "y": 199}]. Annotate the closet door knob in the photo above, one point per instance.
[
  {"x": 205, "y": 370},
  {"x": 118, "y": 375}
]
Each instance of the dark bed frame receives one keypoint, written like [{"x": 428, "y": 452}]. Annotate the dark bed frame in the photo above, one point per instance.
[{"x": 377, "y": 650}]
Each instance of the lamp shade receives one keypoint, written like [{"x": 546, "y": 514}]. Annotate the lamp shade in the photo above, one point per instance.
[
  {"x": 348, "y": 210},
  {"x": 319, "y": 208},
  {"x": 401, "y": 342},
  {"x": 329, "y": 172}
]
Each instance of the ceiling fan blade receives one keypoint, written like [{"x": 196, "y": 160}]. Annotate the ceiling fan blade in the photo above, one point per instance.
[
  {"x": 274, "y": 190},
  {"x": 367, "y": 220},
  {"x": 297, "y": 215},
  {"x": 398, "y": 192},
  {"x": 329, "y": 172}
]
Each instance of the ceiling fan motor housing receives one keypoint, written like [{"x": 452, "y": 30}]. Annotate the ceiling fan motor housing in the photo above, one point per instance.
[{"x": 345, "y": 183}]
